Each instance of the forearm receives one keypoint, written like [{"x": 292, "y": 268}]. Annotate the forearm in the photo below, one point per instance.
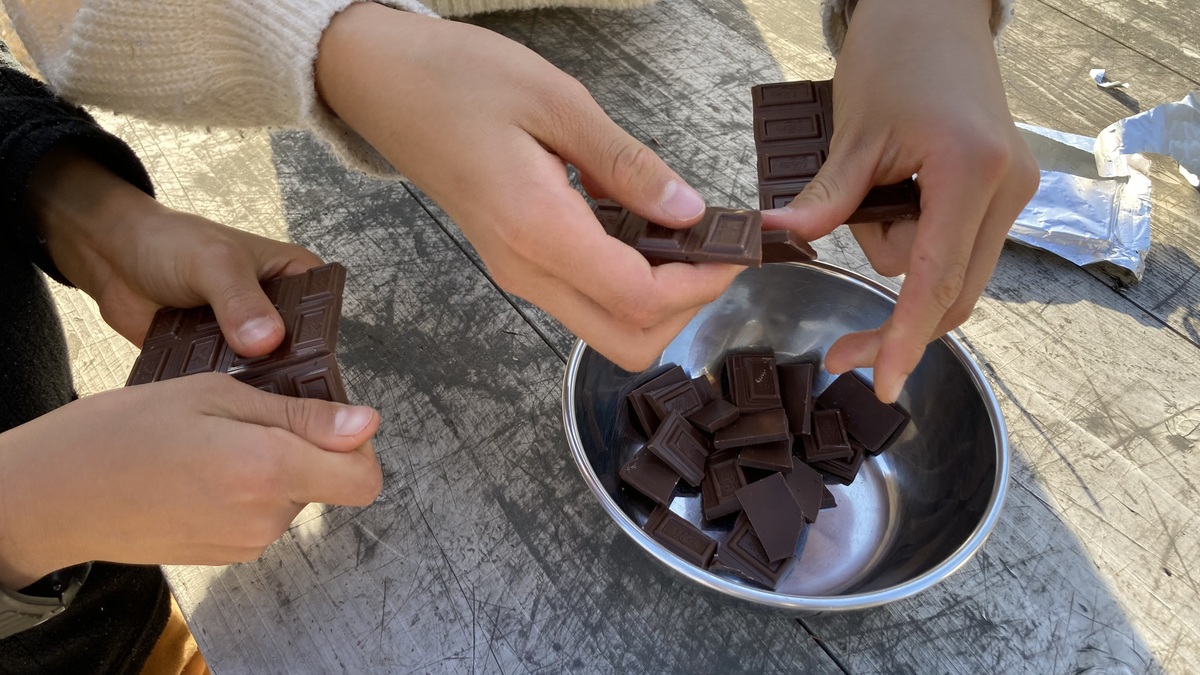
[
  {"x": 835, "y": 17},
  {"x": 29, "y": 545}
]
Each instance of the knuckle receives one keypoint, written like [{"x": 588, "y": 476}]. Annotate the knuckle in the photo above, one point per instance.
[
  {"x": 821, "y": 190},
  {"x": 957, "y": 316},
  {"x": 636, "y": 311},
  {"x": 632, "y": 162},
  {"x": 948, "y": 285}
]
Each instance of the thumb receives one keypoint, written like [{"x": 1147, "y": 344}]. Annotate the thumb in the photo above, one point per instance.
[
  {"x": 327, "y": 425},
  {"x": 828, "y": 200},
  {"x": 615, "y": 165},
  {"x": 248, "y": 318}
]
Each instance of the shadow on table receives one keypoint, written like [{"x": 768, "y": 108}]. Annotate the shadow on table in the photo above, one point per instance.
[{"x": 485, "y": 551}]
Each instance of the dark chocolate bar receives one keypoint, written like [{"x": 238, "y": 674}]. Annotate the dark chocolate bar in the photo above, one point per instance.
[
  {"x": 808, "y": 488},
  {"x": 774, "y": 456},
  {"x": 647, "y": 418},
  {"x": 795, "y": 391},
  {"x": 785, "y": 246},
  {"x": 844, "y": 470},
  {"x": 680, "y": 397},
  {"x": 681, "y": 537},
  {"x": 650, "y": 476},
  {"x": 754, "y": 428},
  {"x": 715, "y": 416},
  {"x": 722, "y": 235},
  {"x": 743, "y": 553},
  {"x": 775, "y": 515},
  {"x": 677, "y": 443},
  {"x": 828, "y": 439},
  {"x": 753, "y": 382},
  {"x": 868, "y": 420},
  {"x": 722, "y": 479},
  {"x": 793, "y": 125},
  {"x": 188, "y": 341}
]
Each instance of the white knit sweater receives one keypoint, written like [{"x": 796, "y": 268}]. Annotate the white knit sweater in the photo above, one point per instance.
[{"x": 239, "y": 63}]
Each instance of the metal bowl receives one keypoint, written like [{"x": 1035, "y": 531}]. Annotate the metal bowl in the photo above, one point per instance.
[{"x": 915, "y": 514}]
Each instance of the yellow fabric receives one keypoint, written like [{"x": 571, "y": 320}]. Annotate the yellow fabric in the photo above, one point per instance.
[{"x": 176, "y": 652}]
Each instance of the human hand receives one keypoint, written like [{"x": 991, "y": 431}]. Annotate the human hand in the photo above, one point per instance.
[
  {"x": 135, "y": 256},
  {"x": 918, "y": 90},
  {"x": 201, "y": 470},
  {"x": 485, "y": 127}
]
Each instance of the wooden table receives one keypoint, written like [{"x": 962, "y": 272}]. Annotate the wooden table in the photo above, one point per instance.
[{"x": 486, "y": 554}]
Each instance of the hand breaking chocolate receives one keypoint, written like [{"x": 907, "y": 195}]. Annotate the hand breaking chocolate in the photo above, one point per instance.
[{"x": 189, "y": 341}]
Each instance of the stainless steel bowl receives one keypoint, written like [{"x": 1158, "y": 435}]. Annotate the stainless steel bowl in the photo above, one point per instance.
[{"x": 914, "y": 515}]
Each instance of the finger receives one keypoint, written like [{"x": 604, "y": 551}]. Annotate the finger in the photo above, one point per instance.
[
  {"x": 618, "y": 166},
  {"x": 345, "y": 479},
  {"x": 886, "y": 245},
  {"x": 854, "y": 350},
  {"x": 330, "y": 426},
  {"x": 937, "y": 272},
  {"x": 248, "y": 319},
  {"x": 834, "y": 193}
]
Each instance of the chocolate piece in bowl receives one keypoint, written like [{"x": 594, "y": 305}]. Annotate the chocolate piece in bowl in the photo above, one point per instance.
[
  {"x": 681, "y": 397},
  {"x": 868, "y": 420},
  {"x": 742, "y": 553},
  {"x": 808, "y": 487},
  {"x": 844, "y": 470},
  {"x": 827, "y": 500},
  {"x": 681, "y": 537},
  {"x": 723, "y": 235},
  {"x": 715, "y": 416},
  {"x": 753, "y": 382},
  {"x": 795, "y": 391},
  {"x": 753, "y": 429},
  {"x": 828, "y": 439},
  {"x": 793, "y": 124},
  {"x": 775, "y": 515},
  {"x": 650, "y": 476},
  {"x": 773, "y": 456},
  {"x": 678, "y": 444},
  {"x": 647, "y": 418},
  {"x": 188, "y": 341},
  {"x": 722, "y": 479}
]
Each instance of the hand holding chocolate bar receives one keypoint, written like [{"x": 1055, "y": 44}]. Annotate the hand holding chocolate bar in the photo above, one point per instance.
[
  {"x": 918, "y": 91},
  {"x": 485, "y": 127}
]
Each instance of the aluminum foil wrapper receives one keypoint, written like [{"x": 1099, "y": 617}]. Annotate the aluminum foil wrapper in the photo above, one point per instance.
[
  {"x": 1081, "y": 214},
  {"x": 1171, "y": 129}
]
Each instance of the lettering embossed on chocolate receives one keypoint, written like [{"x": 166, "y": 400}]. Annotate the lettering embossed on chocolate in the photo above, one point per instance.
[
  {"x": 188, "y": 341},
  {"x": 681, "y": 537},
  {"x": 793, "y": 124},
  {"x": 753, "y": 382},
  {"x": 650, "y": 476},
  {"x": 681, "y": 447},
  {"x": 722, "y": 235}
]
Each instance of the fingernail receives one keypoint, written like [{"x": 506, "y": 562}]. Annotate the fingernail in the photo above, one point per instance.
[
  {"x": 350, "y": 420},
  {"x": 681, "y": 202},
  {"x": 781, "y": 211},
  {"x": 893, "y": 392},
  {"x": 256, "y": 330}
]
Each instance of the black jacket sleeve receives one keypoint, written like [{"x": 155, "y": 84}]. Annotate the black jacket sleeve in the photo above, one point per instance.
[{"x": 32, "y": 122}]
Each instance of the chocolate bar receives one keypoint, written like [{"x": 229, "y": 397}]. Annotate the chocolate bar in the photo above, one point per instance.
[
  {"x": 808, "y": 488},
  {"x": 722, "y": 235},
  {"x": 681, "y": 537},
  {"x": 774, "y": 456},
  {"x": 793, "y": 125},
  {"x": 754, "y": 428},
  {"x": 677, "y": 443},
  {"x": 753, "y": 382},
  {"x": 828, "y": 439},
  {"x": 188, "y": 341},
  {"x": 775, "y": 515},
  {"x": 722, "y": 479},
  {"x": 785, "y": 246},
  {"x": 642, "y": 409},
  {"x": 868, "y": 420},
  {"x": 715, "y": 416},
  {"x": 650, "y": 476},
  {"x": 795, "y": 391},
  {"x": 743, "y": 553}
]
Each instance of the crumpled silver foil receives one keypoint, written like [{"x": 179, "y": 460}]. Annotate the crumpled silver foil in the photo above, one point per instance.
[{"x": 1171, "y": 129}]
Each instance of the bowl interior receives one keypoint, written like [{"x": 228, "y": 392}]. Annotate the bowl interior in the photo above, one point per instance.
[{"x": 913, "y": 515}]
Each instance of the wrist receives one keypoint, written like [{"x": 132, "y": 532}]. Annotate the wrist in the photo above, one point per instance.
[{"x": 26, "y": 540}]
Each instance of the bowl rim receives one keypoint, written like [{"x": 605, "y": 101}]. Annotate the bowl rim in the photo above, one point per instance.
[{"x": 798, "y": 603}]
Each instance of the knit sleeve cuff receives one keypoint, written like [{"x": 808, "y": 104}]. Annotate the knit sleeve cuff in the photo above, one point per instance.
[
  {"x": 234, "y": 63},
  {"x": 835, "y": 19}
]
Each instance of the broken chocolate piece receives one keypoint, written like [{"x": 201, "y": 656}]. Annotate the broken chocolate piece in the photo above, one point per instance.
[
  {"x": 793, "y": 124},
  {"x": 722, "y": 478},
  {"x": 775, "y": 515},
  {"x": 753, "y": 382},
  {"x": 680, "y": 537},
  {"x": 677, "y": 443},
  {"x": 650, "y": 476},
  {"x": 680, "y": 397},
  {"x": 795, "y": 391},
  {"x": 722, "y": 235},
  {"x": 704, "y": 389},
  {"x": 785, "y": 246},
  {"x": 715, "y": 416},
  {"x": 868, "y": 420},
  {"x": 827, "y": 500},
  {"x": 844, "y": 470},
  {"x": 188, "y": 341},
  {"x": 808, "y": 488},
  {"x": 774, "y": 456},
  {"x": 753, "y": 429},
  {"x": 645, "y": 414},
  {"x": 743, "y": 553},
  {"x": 828, "y": 439}
]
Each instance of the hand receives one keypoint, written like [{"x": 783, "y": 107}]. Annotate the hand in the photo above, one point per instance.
[
  {"x": 134, "y": 255},
  {"x": 484, "y": 126},
  {"x": 918, "y": 90},
  {"x": 200, "y": 470}
]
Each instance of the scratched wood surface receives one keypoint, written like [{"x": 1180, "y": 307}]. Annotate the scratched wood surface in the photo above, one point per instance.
[{"x": 485, "y": 555}]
